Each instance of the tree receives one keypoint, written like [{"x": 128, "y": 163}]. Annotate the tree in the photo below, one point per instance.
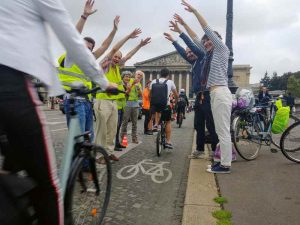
[
  {"x": 265, "y": 81},
  {"x": 293, "y": 85}
]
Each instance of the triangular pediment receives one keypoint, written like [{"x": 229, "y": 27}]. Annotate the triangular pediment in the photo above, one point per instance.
[{"x": 172, "y": 59}]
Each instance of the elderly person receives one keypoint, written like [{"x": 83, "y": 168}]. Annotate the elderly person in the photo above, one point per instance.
[{"x": 134, "y": 91}]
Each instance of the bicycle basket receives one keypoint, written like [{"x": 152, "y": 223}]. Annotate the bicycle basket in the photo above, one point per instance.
[{"x": 244, "y": 99}]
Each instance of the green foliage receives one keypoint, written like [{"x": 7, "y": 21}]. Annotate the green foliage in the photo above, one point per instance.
[
  {"x": 220, "y": 200},
  {"x": 224, "y": 222},
  {"x": 222, "y": 214},
  {"x": 293, "y": 84}
]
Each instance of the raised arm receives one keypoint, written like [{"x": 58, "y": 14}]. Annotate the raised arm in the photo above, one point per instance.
[
  {"x": 53, "y": 12},
  {"x": 106, "y": 43},
  {"x": 138, "y": 47},
  {"x": 199, "y": 51},
  {"x": 135, "y": 33},
  {"x": 88, "y": 10},
  {"x": 208, "y": 31},
  {"x": 178, "y": 47},
  {"x": 190, "y": 32}
]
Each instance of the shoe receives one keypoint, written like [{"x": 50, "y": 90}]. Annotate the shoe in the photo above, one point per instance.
[
  {"x": 169, "y": 146},
  {"x": 197, "y": 155},
  {"x": 135, "y": 141},
  {"x": 120, "y": 146},
  {"x": 118, "y": 149},
  {"x": 218, "y": 169},
  {"x": 149, "y": 132},
  {"x": 154, "y": 129},
  {"x": 184, "y": 117},
  {"x": 213, "y": 165},
  {"x": 113, "y": 157}
]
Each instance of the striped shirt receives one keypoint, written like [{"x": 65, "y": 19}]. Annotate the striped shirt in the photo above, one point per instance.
[{"x": 219, "y": 63}]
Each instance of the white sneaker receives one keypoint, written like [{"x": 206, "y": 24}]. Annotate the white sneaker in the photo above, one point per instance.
[{"x": 197, "y": 155}]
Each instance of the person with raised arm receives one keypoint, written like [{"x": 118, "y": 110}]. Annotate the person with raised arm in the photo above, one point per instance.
[
  {"x": 70, "y": 72},
  {"x": 106, "y": 108},
  {"x": 215, "y": 71},
  {"x": 24, "y": 44},
  {"x": 203, "y": 115}
]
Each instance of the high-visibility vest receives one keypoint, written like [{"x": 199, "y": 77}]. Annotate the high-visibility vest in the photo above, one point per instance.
[
  {"x": 134, "y": 94},
  {"x": 113, "y": 76},
  {"x": 73, "y": 74}
]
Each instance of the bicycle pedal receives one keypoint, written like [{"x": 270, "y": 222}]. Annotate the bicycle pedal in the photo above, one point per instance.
[{"x": 273, "y": 150}]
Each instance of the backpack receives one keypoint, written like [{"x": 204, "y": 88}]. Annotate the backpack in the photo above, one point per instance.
[
  {"x": 159, "y": 95},
  {"x": 281, "y": 119}
]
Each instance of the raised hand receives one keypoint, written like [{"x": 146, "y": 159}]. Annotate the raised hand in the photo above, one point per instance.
[
  {"x": 88, "y": 8},
  {"x": 169, "y": 37},
  {"x": 135, "y": 33},
  {"x": 116, "y": 22},
  {"x": 178, "y": 19},
  {"x": 187, "y": 6},
  {"x": 174, "y": 27},
  {"x": 145, "y": 41}
]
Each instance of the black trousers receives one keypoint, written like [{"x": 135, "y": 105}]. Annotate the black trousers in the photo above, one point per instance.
[
  {"x": 30, "y": 148},
  {"x": 148, "y": 114},
  {"x": 203, "y": 116}
]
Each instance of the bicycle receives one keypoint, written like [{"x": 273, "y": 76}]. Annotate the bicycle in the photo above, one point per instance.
[
  {"x": 161, "y": 136},
  {"x": 86, "y": 191},
  {"x": 290, "y": 142},
  {"x": 252, "y": 127}
]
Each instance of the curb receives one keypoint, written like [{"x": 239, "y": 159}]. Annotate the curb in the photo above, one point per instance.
[{"x": 200, "y": 192}]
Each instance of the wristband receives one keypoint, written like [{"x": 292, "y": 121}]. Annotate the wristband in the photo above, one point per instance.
[{"x": 84, "y": 17}]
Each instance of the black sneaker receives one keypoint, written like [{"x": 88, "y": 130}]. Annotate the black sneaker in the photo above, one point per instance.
[
  {"x": 118, "y": 149},
  {"x": 169, "y": 146},
  {"x": 149, "y": 132},
  {"x": 218, "y": 169}
]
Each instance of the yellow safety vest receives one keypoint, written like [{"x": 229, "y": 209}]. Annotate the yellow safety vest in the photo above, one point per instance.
[
  {"x": 121, "y": 102},
  {"x": 73, "y": 74},
  {"x": 133, "y": 94},
  {"x": 113, "y": 76}
]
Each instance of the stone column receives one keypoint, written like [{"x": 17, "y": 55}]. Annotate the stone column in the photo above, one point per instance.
[
  {"x": 150, "y": 76},
  {"x": 173, "y": 76},
  {"x": 157, "y": 76},
  {"x": 180, "y": 82},
  {"x": 187, "y": 84},
  {"x": 144, "y": 78}
]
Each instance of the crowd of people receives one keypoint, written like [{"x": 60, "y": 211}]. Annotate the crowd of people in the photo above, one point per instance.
[{"x": 207, "y": 55}]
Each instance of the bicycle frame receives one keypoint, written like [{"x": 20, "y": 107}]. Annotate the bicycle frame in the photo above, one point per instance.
[{"x": 74, "y": 130}]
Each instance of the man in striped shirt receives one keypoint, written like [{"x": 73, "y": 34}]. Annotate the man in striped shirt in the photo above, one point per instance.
[{"x": 215, "y": 69}]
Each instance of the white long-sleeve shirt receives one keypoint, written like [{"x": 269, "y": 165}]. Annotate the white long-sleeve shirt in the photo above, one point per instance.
[{"x": 24, "y": 43}]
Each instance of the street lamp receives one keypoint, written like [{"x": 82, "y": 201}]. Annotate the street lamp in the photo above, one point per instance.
[{"x": 229, "y": 18}]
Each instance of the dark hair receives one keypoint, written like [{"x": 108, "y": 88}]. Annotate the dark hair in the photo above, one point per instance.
[
  {"x": 205, "y": 37},
  {"x": 90, "y": 40},
  {"x": 164, "y": 72}
]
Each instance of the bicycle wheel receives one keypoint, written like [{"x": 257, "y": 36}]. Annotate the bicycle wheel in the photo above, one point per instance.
[
  {"x": 246, "y": 138},
  {"x": 88, "y": 192},
  {"x": 159, "y": 145},
  {"x": 180, "y": 119},
  {"x": 276, "y": 137},
  {"x": 290, "y": 142}
]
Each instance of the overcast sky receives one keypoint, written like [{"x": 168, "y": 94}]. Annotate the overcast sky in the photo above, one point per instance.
[{"x": 265, "y": 32}]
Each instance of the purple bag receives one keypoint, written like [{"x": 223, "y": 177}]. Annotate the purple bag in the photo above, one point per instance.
[{"x": 217, "y": 154}]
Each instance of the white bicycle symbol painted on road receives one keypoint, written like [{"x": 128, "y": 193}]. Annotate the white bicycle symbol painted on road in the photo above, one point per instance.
[{"x": 158, "y": 174}]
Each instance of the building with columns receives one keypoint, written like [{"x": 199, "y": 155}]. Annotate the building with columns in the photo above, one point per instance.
[{"x": 181, "y": 71}]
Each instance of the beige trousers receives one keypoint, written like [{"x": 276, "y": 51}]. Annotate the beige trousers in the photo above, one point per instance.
[{"x": 106, "y": 112}]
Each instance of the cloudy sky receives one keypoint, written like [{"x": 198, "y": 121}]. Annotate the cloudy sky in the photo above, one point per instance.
[{"x": 266, "y": 32}]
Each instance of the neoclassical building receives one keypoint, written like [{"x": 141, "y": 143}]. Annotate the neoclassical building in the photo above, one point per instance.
[{"x": 181, "y": 70}]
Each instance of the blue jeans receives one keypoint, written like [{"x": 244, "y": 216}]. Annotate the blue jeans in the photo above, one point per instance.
[{"x": 84, "y": 110}]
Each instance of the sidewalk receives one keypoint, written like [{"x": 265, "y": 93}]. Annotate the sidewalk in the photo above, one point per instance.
[{"x": 200, "y": 192}]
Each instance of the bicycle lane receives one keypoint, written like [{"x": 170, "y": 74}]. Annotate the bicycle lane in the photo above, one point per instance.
[
  {"x": 264, "y": 191},
  {"x": 142, "y": 199}
]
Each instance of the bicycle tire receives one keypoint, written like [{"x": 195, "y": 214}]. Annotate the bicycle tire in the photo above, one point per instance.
[
  {"x": 180, "y": 119},
  {"x": 275, "y": 138},
  {"x": 158, "y": 143},
  {"x": 84, "y": 202},
  {"x": 290, "y": 142},
  {"x": 242, "y": 139}
]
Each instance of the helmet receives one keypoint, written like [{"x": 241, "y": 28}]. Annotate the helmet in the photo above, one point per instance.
[{"x": 182, "y": 90}]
